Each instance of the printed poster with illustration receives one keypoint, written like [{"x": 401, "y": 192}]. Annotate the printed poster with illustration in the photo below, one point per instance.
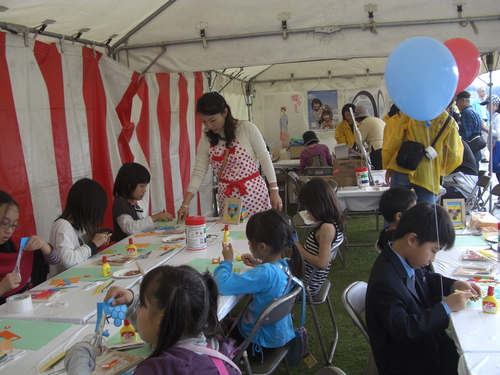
[{"x": 283, "y": 118}]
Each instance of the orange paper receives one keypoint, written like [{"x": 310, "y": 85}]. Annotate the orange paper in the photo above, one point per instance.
[
  {"x": 144, "y": 235},
  {"x": 72, "y": 280},
  {"x": 6, "y": 346}
]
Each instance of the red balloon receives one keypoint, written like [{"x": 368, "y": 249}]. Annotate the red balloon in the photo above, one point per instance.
[{"x": 468, "y": 61}]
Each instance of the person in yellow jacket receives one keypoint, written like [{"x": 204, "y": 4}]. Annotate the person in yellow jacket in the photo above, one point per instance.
[
  {"x": 344, "y": 132},
  {"x": 392, "y": 120},
  {"x": 425, "y": 179}
]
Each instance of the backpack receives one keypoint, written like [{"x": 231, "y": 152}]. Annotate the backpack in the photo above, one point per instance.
[{"x": 316, "y": 160}]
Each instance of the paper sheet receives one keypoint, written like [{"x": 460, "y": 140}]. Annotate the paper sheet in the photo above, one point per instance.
[{"x": 33, "y": 335}]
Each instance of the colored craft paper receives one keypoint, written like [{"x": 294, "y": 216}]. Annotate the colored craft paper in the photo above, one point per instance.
[
  {"x": 87, "y": 274},
  {"x": 65, "y": 280},
  {"x": 33, "y": 335},
  {"x": 159, "y": 224},
  {"x": 141, "y": 248},
  {"x": 144, "y": 235},
  {"x": 201, "y": 265},
  {"x": 145, "y": 351},
  {"x": 470, "y": 241},
  {"x": 23, "y": 243},
  {"x": 238, "y": 235}
]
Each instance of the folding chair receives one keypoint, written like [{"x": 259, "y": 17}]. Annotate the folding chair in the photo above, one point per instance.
[
  {"x": 320, "y": 298},
  {"x": 353, "y": 300},
  {"x": 296, "y": 185},
  {"x": 475, "y": 198},
  {"x": 319, "y": 171},
  {"x": 275, "y": 311},
  {"x": 494, "y": 192},
  {"x": 282, "y": 180},
  {"x": 377, "y": 247}
]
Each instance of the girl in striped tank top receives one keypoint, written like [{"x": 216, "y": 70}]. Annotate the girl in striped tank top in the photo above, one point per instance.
[{"x": 320, "y": 200}]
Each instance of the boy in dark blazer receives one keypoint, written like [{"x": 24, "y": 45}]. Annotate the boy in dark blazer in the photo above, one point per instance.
[{"x": 406, "y": 310}]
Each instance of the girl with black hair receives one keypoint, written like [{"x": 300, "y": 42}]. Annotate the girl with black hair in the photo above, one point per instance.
[
  {"x": 234, "y": 149},
  {"x": 322, "y": 244},
  {"x": 270, "y": 236},
  {"x": 85, "y": 207},
  {"x": 14, "y": 281},
  {"x": 175, "y": 312},
  {"x": 129, "y": 189}
]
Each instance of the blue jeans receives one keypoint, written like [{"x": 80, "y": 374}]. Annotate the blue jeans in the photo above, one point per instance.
[{"x": 401, "y": 179}]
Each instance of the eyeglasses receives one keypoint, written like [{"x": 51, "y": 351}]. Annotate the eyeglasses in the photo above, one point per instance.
[{"x": 6, "y": 226}]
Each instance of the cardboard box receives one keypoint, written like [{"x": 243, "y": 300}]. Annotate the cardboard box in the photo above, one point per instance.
[
  {"x": 295, "y": 151},
  {"x": 344, "y": 171}
]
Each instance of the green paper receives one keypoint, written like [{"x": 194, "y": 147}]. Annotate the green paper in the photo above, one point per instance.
[
  {"x": 93, "y": 273},
  {"x": 238, "y": 235},
  {"x": 145, "y": 351},
  {"x": 159, "y": 224},
  {"x": 201, "y": 265},
  {"x": 470, "y": 241},
  {"x": 120, "y": 249},
  {"x": 34, "y": 335}
]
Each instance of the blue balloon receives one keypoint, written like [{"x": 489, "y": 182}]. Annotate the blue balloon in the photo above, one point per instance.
[{"x": 421, "y": 75}]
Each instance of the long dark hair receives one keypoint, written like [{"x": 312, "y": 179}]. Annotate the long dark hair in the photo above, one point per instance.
[
  {"x": 186, "y": 299},
  {"x": 85, "y": 205},
  {"x": 212, "y": 103},
  {"x": 345, "y": 109},
  {"x": 129, "y": 176},
  {"x": 272, "y": 228},
  {"x": 7, "y": 200},
  {"x": 320, "y": 199}
]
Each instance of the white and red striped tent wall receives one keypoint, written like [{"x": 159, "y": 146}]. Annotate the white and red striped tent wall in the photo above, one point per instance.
[{"x": 76, "y": 113}]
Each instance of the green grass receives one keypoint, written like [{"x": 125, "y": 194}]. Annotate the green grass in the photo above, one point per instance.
[{"x": 352, "y": 349}]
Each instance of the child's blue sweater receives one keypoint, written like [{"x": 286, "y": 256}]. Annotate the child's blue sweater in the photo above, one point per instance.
[{"x": 266, "y": 282}]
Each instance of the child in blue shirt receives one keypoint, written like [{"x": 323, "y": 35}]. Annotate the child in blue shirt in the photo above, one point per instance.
[{"x": 269, "y": 235}]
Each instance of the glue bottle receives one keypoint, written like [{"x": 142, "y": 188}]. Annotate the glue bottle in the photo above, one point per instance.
[
  {"x": 106, "y": 269},
  {"x": 226, "y": 234},
  {"x": 127, "y": 332},
  {"x": 490, "y": 303},
  {"x": 131, "y": 248}
]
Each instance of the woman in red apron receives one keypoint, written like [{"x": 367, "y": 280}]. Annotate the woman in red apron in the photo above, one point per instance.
[{"x": 234, "y": 149}]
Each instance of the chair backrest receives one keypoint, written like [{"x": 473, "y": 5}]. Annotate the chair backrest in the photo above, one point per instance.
[
  {"x": 377, "y": 247},
  {"x": 353, "y": 300},
  {"x": 333, "y": 184},
  {"x": 275, "y": 311},
  {"x": 281, "y": 175},
  {"x": 481, "y": 173},
  {"x": 318, "y": 171},
  {"x": 484, "y": 181}
]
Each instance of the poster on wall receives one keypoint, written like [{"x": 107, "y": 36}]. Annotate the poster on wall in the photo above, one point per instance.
[
  {"x": 283, "y": 117},
  {"x": 322, "y": 109}
]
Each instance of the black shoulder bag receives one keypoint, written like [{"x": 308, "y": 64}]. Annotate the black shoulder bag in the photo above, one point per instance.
[{"x": 410, "y": 153}]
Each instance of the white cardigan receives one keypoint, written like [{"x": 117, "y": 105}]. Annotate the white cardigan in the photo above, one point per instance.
[{"x": 249, "y": 137}]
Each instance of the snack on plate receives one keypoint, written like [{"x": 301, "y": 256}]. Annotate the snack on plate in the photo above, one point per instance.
[
  {"x": 483, "y": 221},
  {"x": 132, "y": 273}
]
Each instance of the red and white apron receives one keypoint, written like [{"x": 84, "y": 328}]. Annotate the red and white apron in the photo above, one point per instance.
[{"x": 240, "y": 178}]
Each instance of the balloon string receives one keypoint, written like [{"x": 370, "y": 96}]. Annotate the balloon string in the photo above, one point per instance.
[{"x": 431, "y": 163}]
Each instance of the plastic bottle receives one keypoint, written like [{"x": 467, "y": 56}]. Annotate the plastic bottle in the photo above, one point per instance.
[
  {"x": 226, "y": 233},
  {"x": 106, "y": 268},
  {"x": 196, "y": 233},
  {"x": 131, "y": 248},
  {"x": 490, "y": 303},
  {"x": 127, "y": 332}
]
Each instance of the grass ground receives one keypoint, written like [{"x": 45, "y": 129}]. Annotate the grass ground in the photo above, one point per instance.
[{"x": 352, "y": 349}]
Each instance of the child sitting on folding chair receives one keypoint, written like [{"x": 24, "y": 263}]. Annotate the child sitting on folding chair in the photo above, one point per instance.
[
  {"x": 269, "y": 235},
  {"x": 322, "y": 205}
]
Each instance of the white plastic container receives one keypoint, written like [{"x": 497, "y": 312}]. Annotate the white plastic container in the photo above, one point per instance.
[
  {"x": 362, "y": 177},
  {"x": 196, "y": 233}
]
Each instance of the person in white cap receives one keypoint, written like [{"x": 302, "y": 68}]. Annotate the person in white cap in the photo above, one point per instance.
[{"x": 372, "y": 132}]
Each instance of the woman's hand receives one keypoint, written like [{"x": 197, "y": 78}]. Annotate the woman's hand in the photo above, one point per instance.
[
  {"x": 388, "y": 174},
  {"x": 183, "y": 213},
  {"x": 249, "y": 260},
  {"x": 276, "y": 200},
  {"x": 227, "y": 252},
  {"x": 101, "y": 239},
  {"x": 121, "y": 295}
]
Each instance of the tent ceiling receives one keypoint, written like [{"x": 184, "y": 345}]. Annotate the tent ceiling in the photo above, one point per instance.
[{"x": 249, "y": 33}]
